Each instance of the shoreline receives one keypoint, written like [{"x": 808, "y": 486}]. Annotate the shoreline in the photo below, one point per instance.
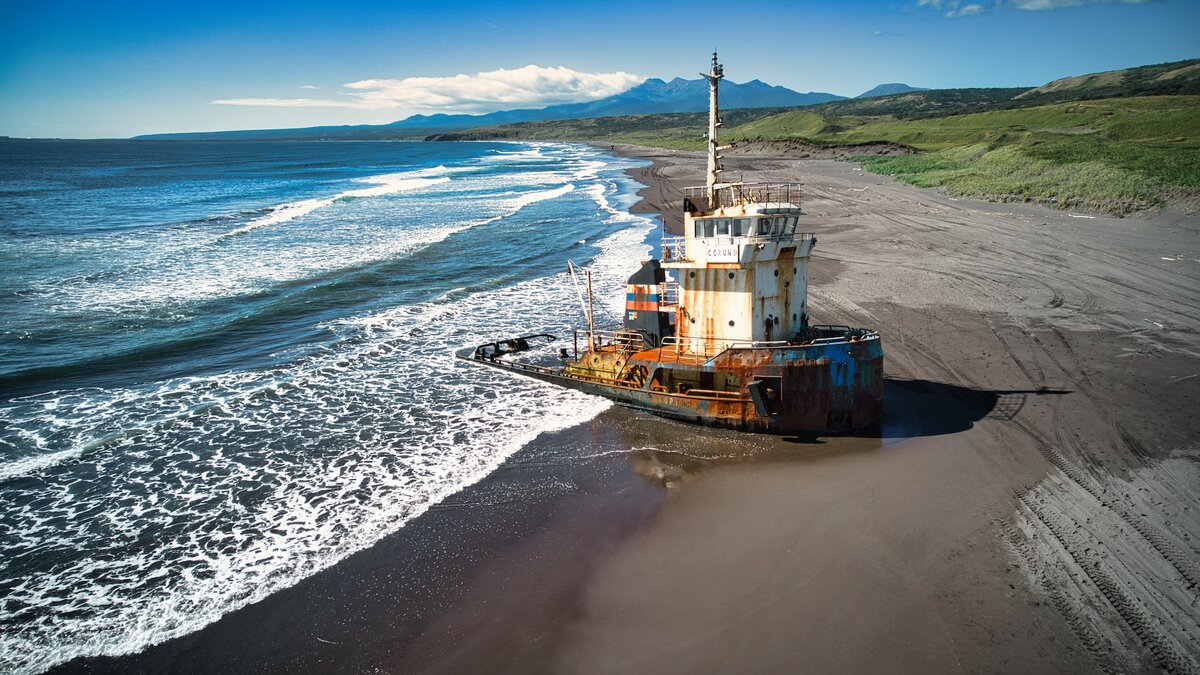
[{"x": 633, "y": 544}]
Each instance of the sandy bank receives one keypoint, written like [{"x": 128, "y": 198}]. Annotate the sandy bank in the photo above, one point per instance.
[{"x": 1035, "y": 506}]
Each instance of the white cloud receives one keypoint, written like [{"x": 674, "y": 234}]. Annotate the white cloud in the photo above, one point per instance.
[
  {"x": 309, "y": 86},
  {"x": 966, "y": 10},
  {"x": 954, "y": 8},
  {"x": 483, "y": 92}
]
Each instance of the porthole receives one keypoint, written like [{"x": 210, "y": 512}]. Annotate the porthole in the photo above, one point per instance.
[
  {"x": 794, "y": 317},
  {"x": 731, "y": 275},
  {"x": 787, "y": 284},
  {"x": 776, "y": 321},
  {"x": 731, "y": 322},
  {"x": 795, "y": 271},
  {"x": 691, "y": 275},
  {"x": 693, "y": 320},
  {"x": 776, "y": 272}
]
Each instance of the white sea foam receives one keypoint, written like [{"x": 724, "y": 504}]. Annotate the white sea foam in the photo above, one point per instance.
[
  {"x": 541, "y": 196},
  {"x": 282, "y": 214},
  {"x": 534, "y": 154},
  {"x": 588, "y": 169},
  {"x": 201, "y": 495},
  {"x": 36, "y": 463},
  {"x": 199, "y": 271},
  {"x": 385, "y": 184},
  {"x": 101, "y": 436}
]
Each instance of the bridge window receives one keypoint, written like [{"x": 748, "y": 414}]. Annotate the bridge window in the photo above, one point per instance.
[
  {"x": 723, "y": 227},
  {"x": 790, "y": 228},
  {"x": 705, "y": 228},
  {"x": 764, "y": 227},
  {"x": 741, "y": 227}
]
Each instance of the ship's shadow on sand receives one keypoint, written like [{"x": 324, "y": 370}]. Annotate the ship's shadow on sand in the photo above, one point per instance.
[
  {"x": 669, "y": 452},
  {"x": 918, "y": 408}
]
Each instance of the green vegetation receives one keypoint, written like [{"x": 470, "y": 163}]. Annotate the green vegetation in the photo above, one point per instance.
[
  {"x": 1116, "y": 155},
  {"x": 1118, "y": 141},
  {"x": 792, "y": 124},
  {"x": 676, "y": 131},
  {"x": 1164, "y": 79},
  {"x": 917, "y": 104}
]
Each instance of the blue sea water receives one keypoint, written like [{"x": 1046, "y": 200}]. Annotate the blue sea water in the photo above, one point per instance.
[{"x": 227, "y": 366}]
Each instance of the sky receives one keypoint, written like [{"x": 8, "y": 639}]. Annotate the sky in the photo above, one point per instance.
[{"x": 115, "y": 69}]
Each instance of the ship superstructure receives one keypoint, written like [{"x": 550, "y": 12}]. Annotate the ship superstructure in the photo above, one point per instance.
[{"x": 716, "y": 329}]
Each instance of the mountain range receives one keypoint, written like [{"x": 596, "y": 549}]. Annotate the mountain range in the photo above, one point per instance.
[{"x": 652, "y": 96}]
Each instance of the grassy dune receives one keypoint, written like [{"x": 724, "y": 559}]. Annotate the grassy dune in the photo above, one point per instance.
[
  {"x": 676, "y": 131},
  {"x": 1115, "y": 155}
]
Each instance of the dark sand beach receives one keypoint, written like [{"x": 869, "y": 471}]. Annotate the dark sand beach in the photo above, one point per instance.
[{"x": 1031, "y": 504}]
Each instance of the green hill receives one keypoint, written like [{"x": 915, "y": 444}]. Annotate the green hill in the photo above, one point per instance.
[
  {"x": 930, "y": 103},
  {"x": 1116, "y": 155},
  {"x": 679, "y": 131},
  {"x": 1164, "y": 79}
]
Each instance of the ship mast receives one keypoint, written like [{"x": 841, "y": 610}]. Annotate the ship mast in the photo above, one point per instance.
[{"x": 714, "y": 168}]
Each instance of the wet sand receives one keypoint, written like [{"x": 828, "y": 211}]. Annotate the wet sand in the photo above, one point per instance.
[{"x": 1031, "y": 504}]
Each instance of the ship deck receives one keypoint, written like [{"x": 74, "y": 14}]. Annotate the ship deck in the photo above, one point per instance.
[{"x": 670, "y": 355}]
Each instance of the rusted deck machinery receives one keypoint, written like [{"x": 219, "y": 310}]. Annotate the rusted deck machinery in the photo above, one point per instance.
[{"x": 717, "y": 330}]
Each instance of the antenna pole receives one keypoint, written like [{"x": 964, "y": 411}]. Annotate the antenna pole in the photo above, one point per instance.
[
  {"x": 586, "y": 307},
  {"x": 716, "y": 72},
  {"x": 590, "y": 315}
]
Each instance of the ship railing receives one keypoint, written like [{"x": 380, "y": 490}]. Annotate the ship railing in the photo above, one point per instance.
[
  {"x": 530, "y": 367},
  {"x": 626, "y": 341},
  {"x": 688, "y": 341},
  {"x": 734, "y": 194},
  {"x": 727, "y": 240},
  {"x": 712, "y": 393},
  {"x": 711, "y": 348},
  {"x": 521, "y": 366},
  {"x": 829, "y": 334},
  {"x": 670, "y": 294},
  {"x": 674, "y": 249}
]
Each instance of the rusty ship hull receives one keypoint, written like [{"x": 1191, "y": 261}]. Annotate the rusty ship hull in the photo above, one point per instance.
[{"x": 834, "y": 386}]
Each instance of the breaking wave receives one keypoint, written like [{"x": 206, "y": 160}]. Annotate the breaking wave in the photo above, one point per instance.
[{"x": 132, "y": 515}]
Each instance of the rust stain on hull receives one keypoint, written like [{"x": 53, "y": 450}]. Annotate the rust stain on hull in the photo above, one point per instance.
[{"x": 810, "y": 388}]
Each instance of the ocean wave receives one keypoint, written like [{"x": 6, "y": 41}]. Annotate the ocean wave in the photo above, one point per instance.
[
  {"x": 395, "y": 250},
  {"x": 385, "y": 184},
  {"x": 405, "y": 421},
  {"x": 540, "y": 196},
  {"x": 198, "y": 496},
  {"x": 534, "y": 153},
  {"x": 153, "y": 286}
]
